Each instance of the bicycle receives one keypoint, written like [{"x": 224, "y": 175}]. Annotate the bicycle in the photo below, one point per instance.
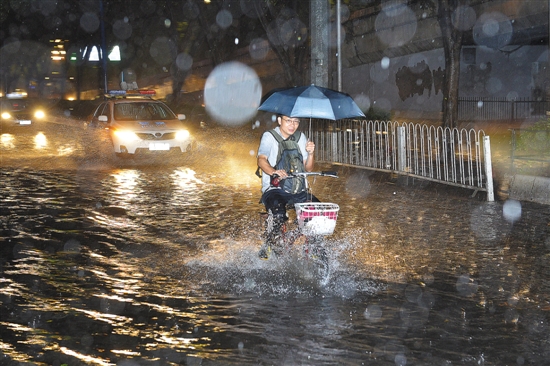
[{"x": 312, "y": 222}]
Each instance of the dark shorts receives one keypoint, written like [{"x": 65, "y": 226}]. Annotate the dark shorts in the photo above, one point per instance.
[{"x": 276, "y": 200}]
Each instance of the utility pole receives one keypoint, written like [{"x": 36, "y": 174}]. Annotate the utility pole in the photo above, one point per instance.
[
  {"x": 103, "y": 46},
  {"x": 339, "y": 44},
  {"x": 318, "y": 19}
]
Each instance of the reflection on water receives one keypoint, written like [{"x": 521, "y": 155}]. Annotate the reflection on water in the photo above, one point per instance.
[
  {"x": 158, "y": 264},
  {"x": 40, "y": 141},
  {"x": 6, "y": 140}
]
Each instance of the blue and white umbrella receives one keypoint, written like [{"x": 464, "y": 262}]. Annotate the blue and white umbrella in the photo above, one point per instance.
[{"x": 311, "y": 102}]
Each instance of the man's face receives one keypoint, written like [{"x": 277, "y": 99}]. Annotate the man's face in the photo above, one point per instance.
[{"x": 288, "y": 125}]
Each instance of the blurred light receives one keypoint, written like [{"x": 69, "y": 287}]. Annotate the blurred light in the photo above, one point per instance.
[
  {"x": 236, "y": 41},
  {"x": 94, "y": 54},
  {"x": 126, "y": 135},
  {"x": 115, "y": 54},
  {"x": 39, "y": 114},
  {"x": 6, "y": 115},
  {"x": 182, "y": 135}
]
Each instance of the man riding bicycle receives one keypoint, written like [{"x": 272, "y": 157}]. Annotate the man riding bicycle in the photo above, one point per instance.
[{"x": 283, "y": 151}]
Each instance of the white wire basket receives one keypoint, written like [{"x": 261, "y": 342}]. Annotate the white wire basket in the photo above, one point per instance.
[{"x": 317, "y": 218}]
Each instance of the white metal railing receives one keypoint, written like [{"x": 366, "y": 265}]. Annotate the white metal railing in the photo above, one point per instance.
[{"x": 451, "y": 156}]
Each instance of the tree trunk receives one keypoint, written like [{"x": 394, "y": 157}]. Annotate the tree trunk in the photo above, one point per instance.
[{"x": 452, "y": 45}]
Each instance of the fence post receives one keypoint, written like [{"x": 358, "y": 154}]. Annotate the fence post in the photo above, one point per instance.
[
  {"x": 401, "y": 151},
  {"x": 488, "y": 167},
  {"x": 334, "y": 145}
]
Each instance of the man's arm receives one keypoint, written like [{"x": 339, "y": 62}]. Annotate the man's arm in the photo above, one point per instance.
[{"x": 264, "y": 165}]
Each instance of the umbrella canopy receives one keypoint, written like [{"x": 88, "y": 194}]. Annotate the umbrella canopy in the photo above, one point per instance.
[{"x": 311, "y": 102}]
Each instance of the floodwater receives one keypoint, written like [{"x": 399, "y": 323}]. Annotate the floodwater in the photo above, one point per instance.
[{"x": 154, "y": 262}]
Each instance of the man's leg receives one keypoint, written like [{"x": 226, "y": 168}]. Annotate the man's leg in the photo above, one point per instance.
[{"x": 275, "y": 204}]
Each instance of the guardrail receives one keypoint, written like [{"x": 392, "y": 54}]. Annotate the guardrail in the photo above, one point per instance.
[{"x": 451, "y": 156}]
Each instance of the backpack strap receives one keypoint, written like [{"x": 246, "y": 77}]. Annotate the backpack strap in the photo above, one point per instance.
[{"x": 297, "y": 135}]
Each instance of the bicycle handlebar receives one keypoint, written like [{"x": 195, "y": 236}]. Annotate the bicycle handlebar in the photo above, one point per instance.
[
  {"x": 326, "y": 173},
  {"x": 275, "y": 181}
]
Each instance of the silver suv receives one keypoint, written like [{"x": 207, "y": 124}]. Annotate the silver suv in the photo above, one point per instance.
[{"x": 138, "y": 124}]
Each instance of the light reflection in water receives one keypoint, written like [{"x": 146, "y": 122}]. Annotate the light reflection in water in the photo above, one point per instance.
[
  {"x": 6, "y": 140},
  {"x": 125, "y": 185},
  {"x": 65, "y": 150},
  {"x": 40, "y": 141}
]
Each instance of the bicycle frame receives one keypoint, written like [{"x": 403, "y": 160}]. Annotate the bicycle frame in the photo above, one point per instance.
[{"x": 281, "y": 241}]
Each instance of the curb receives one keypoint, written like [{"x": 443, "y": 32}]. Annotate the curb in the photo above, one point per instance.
[{"x": 530, "y": 188}]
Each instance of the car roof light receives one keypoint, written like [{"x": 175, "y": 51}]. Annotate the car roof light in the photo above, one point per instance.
[{"x": 125, "y": 93}]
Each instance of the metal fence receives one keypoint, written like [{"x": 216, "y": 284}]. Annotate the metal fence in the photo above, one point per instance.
[
  {"x": 475, "y": 109},
  {"x": 456, "y": 157}
]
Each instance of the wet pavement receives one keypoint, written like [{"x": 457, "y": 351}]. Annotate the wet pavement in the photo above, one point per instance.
[{"x": 153, "y": 262}]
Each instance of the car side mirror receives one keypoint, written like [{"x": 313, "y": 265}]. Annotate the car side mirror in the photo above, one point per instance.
[
  {"x": 181, "y": 117},
  {"x": 103, "y": 118}
]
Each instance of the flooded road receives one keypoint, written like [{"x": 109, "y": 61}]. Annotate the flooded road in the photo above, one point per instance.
[{"x": 154, "y": 262}]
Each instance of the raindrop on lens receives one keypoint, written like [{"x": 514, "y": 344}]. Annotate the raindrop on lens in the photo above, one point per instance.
[
  {"x": 373, "y": 313},
  {"x": 480, "y": 104},
  {"x": 89, "y": 22},
  {"x": 400, "y": 360},
  {"x": 511, "y": 210},
  {"x": 385, "y": 62},
  {"x": 232, "y": 93},
  {"x": 224, "y": 19}
]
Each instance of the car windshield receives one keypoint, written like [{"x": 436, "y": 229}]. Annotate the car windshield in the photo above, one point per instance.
[{"x": 142, "y": 111}]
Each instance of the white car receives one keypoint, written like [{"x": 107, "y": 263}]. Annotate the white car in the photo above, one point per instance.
[{"x": 140, "y": 124}]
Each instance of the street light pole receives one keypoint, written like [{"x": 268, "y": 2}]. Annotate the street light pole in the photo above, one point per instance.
[
  {"x": 103, "y": 46},
  {"x": 339, "y": 45}
]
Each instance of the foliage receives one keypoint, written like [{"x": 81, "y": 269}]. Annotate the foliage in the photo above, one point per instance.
[{"x": 535, "y": 139}]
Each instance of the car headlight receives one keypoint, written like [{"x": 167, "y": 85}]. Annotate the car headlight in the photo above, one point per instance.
[
  {"x": 126, "y": 135},
  {"x": 182, "y": 135},
  {"x": 6, "y": 115},
  {"x": 39, "y": 114}
]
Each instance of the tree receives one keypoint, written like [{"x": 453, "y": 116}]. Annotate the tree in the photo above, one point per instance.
[
  {"x": 287, "y": 34},
  {"x": 449, "y": 12}
]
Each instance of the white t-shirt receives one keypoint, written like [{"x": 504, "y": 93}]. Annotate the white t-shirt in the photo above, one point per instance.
[{"x": 270, "y": 148}]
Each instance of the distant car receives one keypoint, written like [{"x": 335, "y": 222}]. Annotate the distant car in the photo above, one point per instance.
[
  {"x": 137, "y": 124},
  {"x": 21, "y": 111}
]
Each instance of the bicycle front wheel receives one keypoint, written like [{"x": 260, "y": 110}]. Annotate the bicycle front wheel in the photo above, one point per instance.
[{"x": 318, "y": 261}]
